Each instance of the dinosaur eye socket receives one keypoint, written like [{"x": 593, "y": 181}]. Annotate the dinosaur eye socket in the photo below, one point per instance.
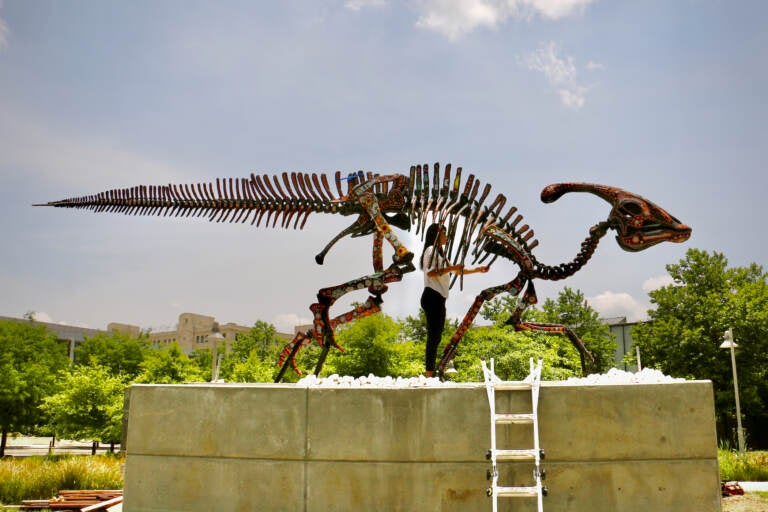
[{"x": 632, "y": 208}]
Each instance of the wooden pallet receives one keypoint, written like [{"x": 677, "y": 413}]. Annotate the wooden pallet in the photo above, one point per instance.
[{"x": 83, "y": 501}]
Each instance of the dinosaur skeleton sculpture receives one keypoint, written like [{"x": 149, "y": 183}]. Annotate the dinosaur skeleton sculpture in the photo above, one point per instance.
[{"x": 483, "y": 230}]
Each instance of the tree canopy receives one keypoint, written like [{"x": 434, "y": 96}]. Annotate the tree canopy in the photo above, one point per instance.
[
  {"x": 89, "y": 404},
  {"x": 688, "y": 322},
  {"x": 30, "y": 359},
  {"x": 118, "y": 352}
]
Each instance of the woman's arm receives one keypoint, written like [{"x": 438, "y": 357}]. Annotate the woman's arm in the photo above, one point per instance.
[{"x": 456, "y": 268}]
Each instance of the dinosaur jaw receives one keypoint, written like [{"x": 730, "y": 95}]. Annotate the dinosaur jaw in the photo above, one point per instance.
[
  {"x": 634, "y": 240},
  {"x": 641, "y": 224}
]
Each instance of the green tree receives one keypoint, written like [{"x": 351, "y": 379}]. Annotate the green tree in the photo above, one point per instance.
[
  {"x": 89, "y": 405},
  {"x": 118, "y": 352},
  {"x": 368, "y": 348},
  {"x": 570, "y": 309},
  {"x": 414, "y": 328},
  {"x": 30, "y": 358},
  {"x": 688, "y": 321},
  {"x": 253, "y": 356},
  {"x": 169, "y": 365},
  {"x": 512, "y": 352}
]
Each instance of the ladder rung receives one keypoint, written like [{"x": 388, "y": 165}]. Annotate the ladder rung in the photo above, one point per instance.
[
  {"x": 524, "y": 419},
  {"x": 515, "y": 455},
  {"x": 517, "y": 492},
  {"x": 512, "y": 385}
]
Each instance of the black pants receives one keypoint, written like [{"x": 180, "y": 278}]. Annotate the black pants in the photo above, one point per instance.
[{"x": 433, "y": 305}]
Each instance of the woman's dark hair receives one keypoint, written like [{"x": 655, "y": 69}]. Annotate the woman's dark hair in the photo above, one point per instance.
[{"x": 433, "y": 231}]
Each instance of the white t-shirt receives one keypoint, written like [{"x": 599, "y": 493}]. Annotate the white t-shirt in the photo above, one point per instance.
[{"x": 441, "y": 283}]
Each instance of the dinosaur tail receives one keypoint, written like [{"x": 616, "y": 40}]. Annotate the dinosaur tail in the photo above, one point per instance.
[{"x": 225, "y": 200}]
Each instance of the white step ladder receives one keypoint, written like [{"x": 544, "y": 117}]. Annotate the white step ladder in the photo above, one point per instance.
[{"x": 531, "y": 383}]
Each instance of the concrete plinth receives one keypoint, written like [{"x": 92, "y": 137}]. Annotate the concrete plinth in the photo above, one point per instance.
[{"x": 278, "y": 447}]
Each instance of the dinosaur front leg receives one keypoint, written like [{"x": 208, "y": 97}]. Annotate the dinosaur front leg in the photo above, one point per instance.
[
  {"x": 288, "y": 354},
  {"x": 375, "y": 283},
  {"x": 515, "y": 320},
  {"x": 514, "y": 287},
  {"x": 352, "y": 229},
  {"x": 371, "y": 205},
  {"x": 302, "y": 339}
]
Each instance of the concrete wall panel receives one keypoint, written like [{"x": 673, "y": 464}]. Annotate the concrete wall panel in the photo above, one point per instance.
[
  {"x": 242, "y": 421},
  {"x": 228, "y": 447},
  {"x": 167, "y": 483}
]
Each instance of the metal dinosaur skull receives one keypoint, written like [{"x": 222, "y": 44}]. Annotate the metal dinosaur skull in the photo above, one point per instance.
[{"x": 639, "y": 223}]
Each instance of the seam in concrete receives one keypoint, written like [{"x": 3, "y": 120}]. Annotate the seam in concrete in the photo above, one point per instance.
[{"x": 479, "y": 460}]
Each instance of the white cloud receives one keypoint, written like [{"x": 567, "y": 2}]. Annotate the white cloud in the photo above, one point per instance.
[
  {"x": 455, "y": 18},
  {"x": 286, "y": 322},
  {"x": 560, "y": 72},
  {"x": 42, "y": 316},
  {"x": 609, "y": 304},
  {"x": 555, "y": 9},
  {"x": 655, "y": 283},
  {"x": 4, "y": 31},
  {"x": 40, "y": 150},
  {"x": 356, "y": 5}
]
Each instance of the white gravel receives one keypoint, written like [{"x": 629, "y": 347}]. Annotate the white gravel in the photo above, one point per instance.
[
  {"x": 371, "y": 381},
  {"x": 614, "y": 376}
]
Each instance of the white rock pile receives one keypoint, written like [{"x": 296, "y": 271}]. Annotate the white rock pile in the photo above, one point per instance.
[
  {"x": 371, "y": 381},
  {"x": 616, "y": 376}
]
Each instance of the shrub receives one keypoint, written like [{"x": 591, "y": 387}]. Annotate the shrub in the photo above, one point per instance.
[
  {"x": 743, "y": 467},
  {"x": 40, "y": 478}
]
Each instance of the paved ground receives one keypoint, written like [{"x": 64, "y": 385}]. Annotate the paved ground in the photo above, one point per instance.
[
  {"x": 27, "y": 446},
  {"x": 750, "y": 502}
]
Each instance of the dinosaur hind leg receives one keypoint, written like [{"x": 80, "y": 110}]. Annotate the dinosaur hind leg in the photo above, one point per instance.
[
  {"x": 516, "y": 320},
  {"x": 514, "y": 287},
  {"x": 376, "y": 284}
]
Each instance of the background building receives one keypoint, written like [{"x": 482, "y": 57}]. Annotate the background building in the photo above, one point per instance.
[
  {"x": 621, "y": 329},
  {"x": 192, "y": 332}
]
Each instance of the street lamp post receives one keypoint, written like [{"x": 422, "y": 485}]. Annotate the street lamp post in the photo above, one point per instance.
[
  {"x": 728, "y": 343},
  {"x": 214, "y": 338}
]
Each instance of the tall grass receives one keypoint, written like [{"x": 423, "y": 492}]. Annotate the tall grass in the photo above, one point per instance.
[
  {"x": 33, "y": 478},
  {"x": 743, "y": 467}
]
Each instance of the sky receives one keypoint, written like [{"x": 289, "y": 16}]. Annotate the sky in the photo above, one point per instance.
[{"x": 664, "y": 99}]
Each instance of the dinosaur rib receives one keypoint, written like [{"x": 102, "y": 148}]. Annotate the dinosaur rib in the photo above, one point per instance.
[{"x": 443, "y": 198}]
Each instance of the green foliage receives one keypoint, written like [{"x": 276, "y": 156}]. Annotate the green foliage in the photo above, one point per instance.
[
  {"x": 89, "y": 405},
  {"x": 30, "y": 358},
  {"x": 511, "y": 352},
  {"x": 169, "y": 365},
  {"x": 570, "y": 309},
  {"x": 203, "y": 362},
  {"x": 36, "y": 478},
  {"x": 688, "y": 323},
  {"x": 414, "y": 328},
  {"x": 254, "y": 354},
  {"x": 368, "y": 348},
  {"x": 120, "y": 353},
  {"x": 499, "y": 309},
  {"x": 743, "y": 467}
]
